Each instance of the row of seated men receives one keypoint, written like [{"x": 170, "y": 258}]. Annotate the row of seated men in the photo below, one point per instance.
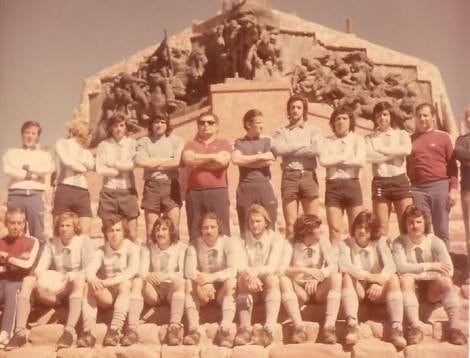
[{"x": 233, "y": 273}]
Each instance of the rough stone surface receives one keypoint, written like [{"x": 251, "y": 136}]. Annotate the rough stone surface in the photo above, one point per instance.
[
  {"x": 367, "y": 348},
  {"x": 42, "y": 352},
  {"x": 180, "y": 352},
  {"x": 215, "y": 352},
  {"x": 432, "y": 349},
  {"x": 306, "y": 350},
  {"x": 45, "y": 334},
  {"x": 250, "y": 351},
  {"x": 76, "y": 353}
]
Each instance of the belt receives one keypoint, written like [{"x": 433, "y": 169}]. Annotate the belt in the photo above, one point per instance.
[{"x": 25, "y": 191}]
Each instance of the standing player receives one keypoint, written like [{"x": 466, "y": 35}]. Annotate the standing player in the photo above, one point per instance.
[
  {"x": 27, "y": 169},
  {"x": 298, "y": 144},
  {"x": 160, "y": 154},
  {"x": 343, "y": 154},
  {"x": 387, "y": 149},
  {"x": 115, "y": 162},
  {"x": 73, "y": 160},
  {"x": 253, "y": 155},
  {"x": 208, "y": 158}
]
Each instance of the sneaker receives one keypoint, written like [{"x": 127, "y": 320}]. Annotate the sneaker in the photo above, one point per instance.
[
  {"x": 192, "y": 338},
  {"x": 397, "y": 339},
  {"x": 18, "y": 340},
  {"x": 65, "y": 340},
  {"x": 222, "y": 338},
  {"x": 111, "y": 338},
  {"x": 299, "y": 335},
  {"x": 174, "y": 335},
  {"x": 415, "y": 335},
  {"x": 263, "y": 338},
  {"x": 86, "y": 340},
  {"x": 4, "y": 339},
  {"x": 352, "y": 334},
  {"x": 242, "y": 337},
  {"x": 457, "y": 337},
  {"x": 329, "y": 335},
  {"x": 130, "y": 337}
]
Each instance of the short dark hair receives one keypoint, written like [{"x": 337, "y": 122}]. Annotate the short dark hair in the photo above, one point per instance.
[
  {"x": 164, "y": 220},
  {"x": 343, "y": 110},
  {"x": 109, "y": 221},
  {"x": 249, "y": 116},
  {"x": 212, "y": 216},
  {"x": 156, "y": 117},
  {"x": 298, "y": 97},
  {"x": 415, "y": 211},
  {"x": 29, "y": 124},
  {"x": 116, "y": 118},
  {"x": 304, "y": 225},
  {"x": 420, "y": 106},
  {"x": 206, "y": 114},
  {"x": 379, "y": 108}
]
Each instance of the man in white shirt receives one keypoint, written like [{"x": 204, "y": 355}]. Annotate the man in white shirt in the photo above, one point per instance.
[
  {"x": 27, "y": 169},
  {"x": 115, "y": 162}
]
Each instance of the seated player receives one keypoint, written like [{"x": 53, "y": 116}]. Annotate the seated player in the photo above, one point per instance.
[
  {"x": 369, "y": 273},
  {"x": 17, "y": 254},
  {"x": 258, "y": 278},
  {"x": 311, "y": 275},
  {"x": 67, "y": 252},
  {"x": 161, "y": 279},
  {"x": 211, "y": 267},
  {"x": 424, "y": 264},
  {"x": 109, "y": 276}
]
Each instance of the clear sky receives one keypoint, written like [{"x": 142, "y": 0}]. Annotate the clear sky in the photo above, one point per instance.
[{"x": 48, "y": 47}]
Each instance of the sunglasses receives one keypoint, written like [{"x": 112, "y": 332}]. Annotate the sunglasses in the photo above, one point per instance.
[{"x": 209, "y": 123}]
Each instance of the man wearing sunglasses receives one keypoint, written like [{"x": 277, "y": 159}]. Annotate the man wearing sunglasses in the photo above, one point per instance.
[{"x": 207, "y": 158}]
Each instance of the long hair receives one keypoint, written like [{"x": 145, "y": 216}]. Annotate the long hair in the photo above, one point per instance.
[
  {"x": 415, "y": 211},
  {"x": 259, "y": 209},
  {"x": 109, "y": 221},
  {"x": 65, "y": 216},
  {"x": 81, "y": 132},
  {"x": 304, "y": 225},
  {"x": 298, "y": 97},
  {"x": 116, "y": 118},
  {"x": 379, "y": 108},
  {"x": 164, "y": 220},
  {"x": 343, "y": 110},
  {"x": 156, "y": 117}
]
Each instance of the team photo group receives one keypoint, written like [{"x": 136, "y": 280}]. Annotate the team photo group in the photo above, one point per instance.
[{"x": 415, "y": 177}]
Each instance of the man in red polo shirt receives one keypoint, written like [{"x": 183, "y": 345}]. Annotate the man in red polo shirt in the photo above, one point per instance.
[{"x": 207, "y": 158}]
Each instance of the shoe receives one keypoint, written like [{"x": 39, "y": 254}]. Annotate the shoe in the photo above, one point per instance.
[
  {"x": 18, "y": 340},
  {"x": 352, "y": 334},
  {"x": 397, "y": 339},
  {"x": 222, "y": 338},
  {"x": 299, "y": 335},
  {"x": 457, "y": 337},
  {"x": 130, "y": 337},
  {"x": 329, "y": 335},
  {"x": 111, "y": 338},
  {"x": 174, "y": 335},
  {"x": 263, "y": 338},
  {"x": 414, "y": 335},
  {"x": 4, "y": 339},
  {"x": 242, "y": 337},
  {"x": 65, "y": 340},
  {"x": 192, "y": 338},
  {"x": 86, "y": 340}
]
